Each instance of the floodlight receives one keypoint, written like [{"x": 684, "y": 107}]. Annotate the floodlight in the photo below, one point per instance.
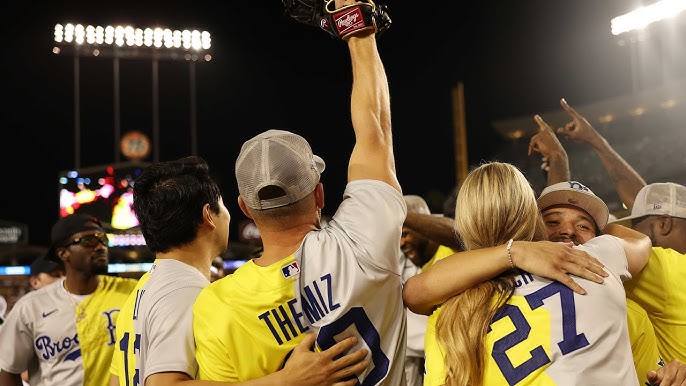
[{"x": 642, "y": 17}]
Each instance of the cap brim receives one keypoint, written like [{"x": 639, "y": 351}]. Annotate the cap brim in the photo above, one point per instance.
[
  {"x": 594, "y": 206},
  {"x": 51, "y": 254},
  {"x": 321, "y": 165},
  {"x": 628, "y": 217},
  {"x": 43, "y": 265}
]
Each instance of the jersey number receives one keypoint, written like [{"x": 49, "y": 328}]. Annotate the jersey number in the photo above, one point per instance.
[
  {"x": 358, "y": 318},
  {"x": 124, "y": 347},
  {"x": 571, "y": 340}
]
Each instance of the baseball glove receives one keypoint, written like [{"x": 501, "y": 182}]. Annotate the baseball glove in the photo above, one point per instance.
[{"x": 341, "y": 23}]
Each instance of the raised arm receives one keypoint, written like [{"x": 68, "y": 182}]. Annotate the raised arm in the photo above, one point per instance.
[
  {"x": 372, "y": 157},
  {"x": 626, "y": 180},
  {"x": 555, "y": 160},
  {"x": 424, "y": 292}
]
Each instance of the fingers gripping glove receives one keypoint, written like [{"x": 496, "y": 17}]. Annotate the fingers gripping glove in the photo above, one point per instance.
[{"x": 364, "y": 15}]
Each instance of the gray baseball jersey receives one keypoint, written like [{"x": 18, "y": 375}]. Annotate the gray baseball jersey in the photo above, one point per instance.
[
  {"x": 350, "y": 281},
  {"x": 44, "y": 317},
  {"x": 160, "y": 314},
  {"x": 62, "y": 341},
  {"x": 343, "y": 281}
]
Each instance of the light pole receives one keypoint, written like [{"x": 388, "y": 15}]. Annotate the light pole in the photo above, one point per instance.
[{"x": 128, "y": 42}]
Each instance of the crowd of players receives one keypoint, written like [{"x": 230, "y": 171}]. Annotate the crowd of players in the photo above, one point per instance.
[{"x": 512, "y": 288}]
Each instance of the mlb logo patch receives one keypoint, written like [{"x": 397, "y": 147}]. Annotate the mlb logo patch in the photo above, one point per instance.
[{"x": 290, "y": 270}]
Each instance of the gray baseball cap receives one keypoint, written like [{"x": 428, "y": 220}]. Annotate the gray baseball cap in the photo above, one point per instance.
[{"x": 281, "y": 160}]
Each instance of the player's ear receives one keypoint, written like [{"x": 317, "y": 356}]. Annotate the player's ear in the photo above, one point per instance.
[
  {"x": 61, "y": 252},
  {"x": 208, "y": 216},
  {"x": 664, "y": 225}
]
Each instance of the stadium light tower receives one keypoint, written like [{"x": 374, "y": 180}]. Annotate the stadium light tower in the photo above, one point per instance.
[
  {"x": 128, "y": 42},
  {"x": 643, "y": 16}
]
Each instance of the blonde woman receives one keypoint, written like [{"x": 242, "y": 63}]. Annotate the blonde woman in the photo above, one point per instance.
[{"x": 519, "y": 328}]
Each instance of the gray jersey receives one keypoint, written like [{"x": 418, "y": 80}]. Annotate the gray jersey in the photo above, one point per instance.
[
  {"x": 350, "y": 280},
  {"x": 39, "y": 335},
  {"x": 164, "y": 317}
]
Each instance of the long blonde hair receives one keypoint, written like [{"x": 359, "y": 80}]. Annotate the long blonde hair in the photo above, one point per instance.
[{"x": 495, "y": 204}]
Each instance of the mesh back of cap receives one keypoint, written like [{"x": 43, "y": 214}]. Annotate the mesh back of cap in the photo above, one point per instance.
[
  {"x": 665, "y": 198},
  {"x": 282, "y": 160}
]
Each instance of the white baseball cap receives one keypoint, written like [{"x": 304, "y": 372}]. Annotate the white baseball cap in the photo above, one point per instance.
[
  {"x": 416, "y": 204},
  {"x": 575, "y": 194},
  {"x": 659, "y": 199},
  {"x": 278, "y": 159}
]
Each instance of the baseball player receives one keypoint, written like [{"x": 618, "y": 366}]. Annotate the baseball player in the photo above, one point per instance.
[
  {"x": 64, "y": 333},
  {"x": 337, "y": 280},
  {"x": 573, "y": 214},
  {"x": 536, "y": 330},
  {"x": 659, "y": 211},
  {"x": 420, "y": 249},
  {"x": 154, "y": 333},
  {"x": 653, "y": 324}
]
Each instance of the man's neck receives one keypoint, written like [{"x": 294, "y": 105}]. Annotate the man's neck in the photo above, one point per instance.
[{"x": 278, "y": 244}]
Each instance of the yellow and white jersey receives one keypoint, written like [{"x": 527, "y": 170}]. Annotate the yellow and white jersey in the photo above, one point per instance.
[
  {"x": 343, "y": 280},
  {"x": 48, "y": 341},
  {"x": 548, "y": 335},
  {"x": 659, "y": 289}
]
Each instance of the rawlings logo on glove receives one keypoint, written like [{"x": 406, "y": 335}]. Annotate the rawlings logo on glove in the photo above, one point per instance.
[
  {"x": 341, "y": 23},
  {"x": 348, "y": 21}
]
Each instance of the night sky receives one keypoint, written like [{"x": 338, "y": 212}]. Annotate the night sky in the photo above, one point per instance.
[{"x": 514, "y": 58}]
